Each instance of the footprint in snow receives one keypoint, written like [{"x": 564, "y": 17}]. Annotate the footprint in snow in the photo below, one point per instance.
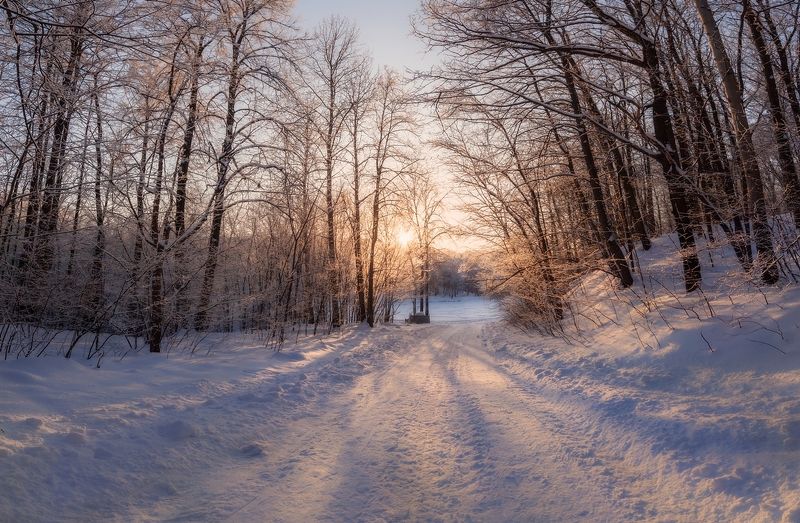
[
  {"x": 177, "y": 430},
  {"x": 253, "y": 450},
  {"x": 288, "y": 356},
  {"x": 32, "y": 423}
]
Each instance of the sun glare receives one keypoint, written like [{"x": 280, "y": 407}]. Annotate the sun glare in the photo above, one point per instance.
[{"x": 404, "y": 237}]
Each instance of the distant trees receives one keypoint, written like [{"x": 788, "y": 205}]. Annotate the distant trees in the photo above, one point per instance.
[
  {"x": 423, "y": 209},
  {"x": 454, "y": 275},
  {"x": 555, "y": 116}
]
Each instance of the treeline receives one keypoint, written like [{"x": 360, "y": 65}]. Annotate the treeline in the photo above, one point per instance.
[
  {"x": 171, "y": 165},
  {"x": 583, "y": 128},
  {"x": 454, "y": 275}
]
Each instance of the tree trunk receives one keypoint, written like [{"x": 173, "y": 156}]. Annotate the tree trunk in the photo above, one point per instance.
[
  {"x": 135, "y": 301},
  {"x": 51, "y": 197},
  {"x": 673, "y": 171},
  {"x": 182, "y": 176},
  {"x": 362, "y": 306},
  {"x": 779, "y": 128},
  {"x": 96, "y": 283},
  {"x": 613, "y": 252},
  {"x": 333, "y": 274},
  {"x": 373, "y": 240},
  {"x": 223, "y": 165},
  {"x": 743, "y": 135},
  {"x": 156, "y": 319}
]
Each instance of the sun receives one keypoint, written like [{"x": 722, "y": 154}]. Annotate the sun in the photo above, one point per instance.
[{"x": 404, "y": 237}]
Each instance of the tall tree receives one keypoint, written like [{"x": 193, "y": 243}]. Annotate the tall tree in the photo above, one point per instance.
[
  {"x": 360, "y": 93},
  {"x": 332, "y": 64},
  {"x": 391, "y": 124},
  {"x": 251, "y": 45},
  {"x": 744, "y": 142},
  {"x": 779, "y": 128}
]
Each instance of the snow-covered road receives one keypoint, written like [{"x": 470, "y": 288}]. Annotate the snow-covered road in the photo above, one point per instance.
[
  {"x": 458, "y": 422},
  {"x": 442, "y": 433}
]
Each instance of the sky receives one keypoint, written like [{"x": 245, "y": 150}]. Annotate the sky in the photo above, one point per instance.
[{"x": 384, "y": 27}]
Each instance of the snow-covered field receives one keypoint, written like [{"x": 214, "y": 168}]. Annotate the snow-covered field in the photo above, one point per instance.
[
  {"x": 676, "y": 413},
  {"x": 461, "y": 309}
]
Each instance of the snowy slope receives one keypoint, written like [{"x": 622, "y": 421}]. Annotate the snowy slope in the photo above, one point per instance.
[
  {"x": 148, "y": 431},
  {"x": 709, "y": 436},
  {"x": 702, "y": 390}
]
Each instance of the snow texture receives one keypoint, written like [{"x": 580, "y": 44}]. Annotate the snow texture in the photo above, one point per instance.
[{"x": 468, "y": 421}]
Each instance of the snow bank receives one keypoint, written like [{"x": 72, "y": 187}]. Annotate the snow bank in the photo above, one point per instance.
[
  {"x": 703, "y": 389},
  {"x": 126, "y": 441}
]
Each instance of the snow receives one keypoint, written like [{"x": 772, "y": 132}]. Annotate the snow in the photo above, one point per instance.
[
  {"x": 461, "y": 309},
  {"x": 654, "y": 410}
]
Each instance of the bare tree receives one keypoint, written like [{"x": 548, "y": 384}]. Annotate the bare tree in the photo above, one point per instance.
[
  {"x": 744, "y": 141},
  {"x": 249, "y": 57},
  {"x": 333, "y": 65},
  {"x": 392, "y": 122}
]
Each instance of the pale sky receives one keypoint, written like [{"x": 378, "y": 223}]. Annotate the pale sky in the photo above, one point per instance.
[{"x": 384, "y": 27}]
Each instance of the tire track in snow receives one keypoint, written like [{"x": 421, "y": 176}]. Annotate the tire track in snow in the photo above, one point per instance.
[
  {"x": 400, "y": 461},
  {"x": 301, "y": 468},
  {"x": 578, "y": 464},
  {"x": 537, "y": 466},
  {"x": 401, "y": 444},
  {"x": 438, "y": 431}
]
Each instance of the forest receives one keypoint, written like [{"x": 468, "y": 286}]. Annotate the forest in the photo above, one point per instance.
[
  {"x": 174, "y": 165},
  {"x": 259, "y": 261}
]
